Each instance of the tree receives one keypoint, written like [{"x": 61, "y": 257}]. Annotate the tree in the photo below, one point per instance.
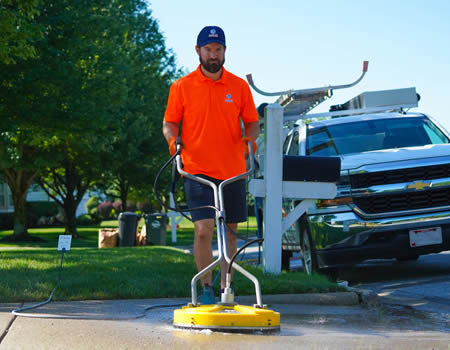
[
  {"x": 23, "y": 152},
  {"x": 18, "y": 30},
  {"x": 67, "y": 94},
  {"x": 138, "y": 147},
  {"x": 93, "y": 96},
  {"x": 96, "y": 58},
  {"x": 68, "y": 182}
]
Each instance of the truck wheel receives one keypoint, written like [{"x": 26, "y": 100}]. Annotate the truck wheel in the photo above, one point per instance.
[{"x": 309, "y": 258}]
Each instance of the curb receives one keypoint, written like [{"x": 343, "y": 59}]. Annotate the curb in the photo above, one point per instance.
[{"x": 365, "y": 296}]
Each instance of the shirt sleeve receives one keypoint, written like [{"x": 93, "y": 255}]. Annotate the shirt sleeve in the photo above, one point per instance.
[
  {"x": 174, "y": 109},
  {"x": 248, "y": 109}
]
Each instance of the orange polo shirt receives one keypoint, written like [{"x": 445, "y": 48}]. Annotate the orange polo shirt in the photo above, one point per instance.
[{"x": 211, "y": 114}]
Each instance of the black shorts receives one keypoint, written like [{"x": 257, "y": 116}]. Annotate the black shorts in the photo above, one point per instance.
[{"x": 234, "y": 196}]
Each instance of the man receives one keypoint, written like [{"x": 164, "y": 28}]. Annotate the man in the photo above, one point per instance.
[{"x": 210, "y": 104}]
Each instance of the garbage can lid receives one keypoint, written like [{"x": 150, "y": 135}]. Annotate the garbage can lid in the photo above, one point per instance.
[{"x": 126, "y": 214}]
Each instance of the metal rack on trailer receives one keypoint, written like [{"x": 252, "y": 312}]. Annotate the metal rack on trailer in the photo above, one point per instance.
[
  {"x": 296, "y": 103},
  {"x": 291, "y": 105}
]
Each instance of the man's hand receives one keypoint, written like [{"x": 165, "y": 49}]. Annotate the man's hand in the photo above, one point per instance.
[
  {"x": 245, "y": 141},
  {"x": 172, "y": 145}
]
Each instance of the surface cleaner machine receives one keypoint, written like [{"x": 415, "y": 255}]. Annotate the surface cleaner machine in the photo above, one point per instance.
[{"x": 226, "y": 315}]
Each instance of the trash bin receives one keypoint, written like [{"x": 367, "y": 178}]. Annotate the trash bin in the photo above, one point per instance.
[
  {"x": 128, "y": 222},
  {"x": 156, "y": 228}
]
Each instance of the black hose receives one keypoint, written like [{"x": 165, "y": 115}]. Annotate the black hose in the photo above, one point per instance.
[
  {"x": 230, "y": 265},
  {"x": 19, "y": 311},
  {"x": 179, "y": 210}
]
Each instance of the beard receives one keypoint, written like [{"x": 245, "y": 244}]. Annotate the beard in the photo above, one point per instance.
[{"x": 212, "y": 65}]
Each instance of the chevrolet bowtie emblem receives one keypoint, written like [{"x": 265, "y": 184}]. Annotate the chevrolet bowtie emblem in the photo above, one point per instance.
[{"x": 419, "y": 185}]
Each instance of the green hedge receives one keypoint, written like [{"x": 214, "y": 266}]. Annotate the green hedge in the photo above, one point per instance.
[
  {"x": 6, "y": 221},
  {"x": 42, "y": 208},
  {"x": 35, "y": 210},
  {"x": 87, "y": 219}
]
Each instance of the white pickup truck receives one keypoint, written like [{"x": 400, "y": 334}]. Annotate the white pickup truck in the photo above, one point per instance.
[{"x": 393, "y": 198}]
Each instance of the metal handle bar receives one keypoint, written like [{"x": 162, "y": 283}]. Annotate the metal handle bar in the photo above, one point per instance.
[
  {"x": 221, "y": 239},
  {"x": 308, "y": 91},
  {"x": 223, "y": 183}
]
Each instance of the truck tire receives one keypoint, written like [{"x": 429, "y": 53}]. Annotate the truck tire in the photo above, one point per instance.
[{"x": 309, "y": 257}]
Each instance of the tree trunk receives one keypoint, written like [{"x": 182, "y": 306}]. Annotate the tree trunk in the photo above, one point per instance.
[
  {"x": 19, "y": 182},
  {"x": 70, "y": 208},
  {"x": 67, "y": 190},
  {"x": 124, "y": 189},
  {"x": 71, "y": 224}
]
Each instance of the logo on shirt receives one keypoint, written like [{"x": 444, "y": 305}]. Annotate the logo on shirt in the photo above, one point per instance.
[
  {"x": 228, "y": 98},
  {"x": 213, "y": 34}
]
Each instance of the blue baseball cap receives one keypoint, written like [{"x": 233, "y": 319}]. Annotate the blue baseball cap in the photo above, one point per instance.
[{"x": 211, "y": 34}]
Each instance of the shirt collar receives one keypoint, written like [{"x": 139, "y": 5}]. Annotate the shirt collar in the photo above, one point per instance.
[{"x": 222, "y": 79}]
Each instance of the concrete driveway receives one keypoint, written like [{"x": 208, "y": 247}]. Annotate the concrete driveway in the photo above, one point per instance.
[{"x": 336, "y": 321}]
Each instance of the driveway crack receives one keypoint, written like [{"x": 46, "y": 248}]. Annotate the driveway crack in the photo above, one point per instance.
[{"x": 8, "y": 327}]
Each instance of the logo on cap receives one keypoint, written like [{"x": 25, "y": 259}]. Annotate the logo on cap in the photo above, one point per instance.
[{"x": 213, "y": 33}]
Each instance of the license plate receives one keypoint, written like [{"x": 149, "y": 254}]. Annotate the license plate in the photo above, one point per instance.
[{"x": 425, "y": 236}]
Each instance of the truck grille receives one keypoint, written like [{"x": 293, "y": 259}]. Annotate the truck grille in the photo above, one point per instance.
[
  {"x": 365, "y": 180},
  {"x": 404, "y": 201},
  {"x": 401, "y": 201}
]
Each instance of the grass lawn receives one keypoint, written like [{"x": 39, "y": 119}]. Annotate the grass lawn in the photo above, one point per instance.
[
  {"x": 185, "y": 231},
  {"x": 126, "y": 273},
  {"x": 121, "y": 273},
  {"x": 89, "y": 234}
]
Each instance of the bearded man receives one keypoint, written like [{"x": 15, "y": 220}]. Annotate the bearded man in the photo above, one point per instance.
[{"x": 210, "y": 104}]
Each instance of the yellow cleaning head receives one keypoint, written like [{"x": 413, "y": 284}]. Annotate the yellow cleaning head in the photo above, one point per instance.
[{"x": 227, "y": 318}]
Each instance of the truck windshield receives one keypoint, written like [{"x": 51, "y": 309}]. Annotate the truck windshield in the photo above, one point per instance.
[{"x": 372, "y": 135}]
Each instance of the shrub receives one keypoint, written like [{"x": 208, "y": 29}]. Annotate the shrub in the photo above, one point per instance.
[
  {"x": 42, "y": 208},
  {"x": 92, "y": 204},
  {"x": 131, "y": 206},
  {"x": 104, "y": 210},
  {"x": 145, "y": 207},
  {"x": 6, "y": 221},
  {"x": 42, "y": 213},
  {"x": 117, "y": 205},
  {"x": 85, "y": 219}
]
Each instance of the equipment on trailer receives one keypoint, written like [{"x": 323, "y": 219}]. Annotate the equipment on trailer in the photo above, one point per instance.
[{"x": 297, "y": 103}]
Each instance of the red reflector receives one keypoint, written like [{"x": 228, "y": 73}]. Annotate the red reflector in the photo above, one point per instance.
[{"x": 365, "y": 66}]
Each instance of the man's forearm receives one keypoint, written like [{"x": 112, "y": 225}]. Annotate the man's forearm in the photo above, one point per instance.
[
  {"x": 252, "y": 130},
  {"x": 170, "y": 129}
]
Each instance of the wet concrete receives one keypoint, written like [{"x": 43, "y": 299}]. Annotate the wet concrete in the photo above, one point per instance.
[
  {"x": 422, "y": 285},
  {"x": 374, "y": 326}
]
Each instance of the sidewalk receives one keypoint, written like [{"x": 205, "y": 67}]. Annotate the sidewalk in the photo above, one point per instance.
[
  {"x": 331, "y": 320},
  {"x": 50, "y": 333}
]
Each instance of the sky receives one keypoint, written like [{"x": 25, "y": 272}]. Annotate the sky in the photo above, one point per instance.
[{"x": 300, "y": 44}]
